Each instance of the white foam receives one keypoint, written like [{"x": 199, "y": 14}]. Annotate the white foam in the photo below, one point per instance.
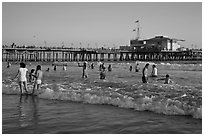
[{"x": 152, "y": 97}]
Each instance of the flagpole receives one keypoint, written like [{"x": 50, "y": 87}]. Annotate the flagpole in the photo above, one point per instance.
[{"x": 138, "y": 29}]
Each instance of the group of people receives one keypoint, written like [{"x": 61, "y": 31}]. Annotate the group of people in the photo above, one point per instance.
[
  {"x": 35, "y": 75},
  {"x": 136, "y": 68},
  {"x": 102, "y": 69},
  {"x": 167, "y": 79},
  {"x": 35, "y": 78}
]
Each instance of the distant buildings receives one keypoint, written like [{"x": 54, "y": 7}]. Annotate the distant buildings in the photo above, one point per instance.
[{"x": 156, "y": 44}]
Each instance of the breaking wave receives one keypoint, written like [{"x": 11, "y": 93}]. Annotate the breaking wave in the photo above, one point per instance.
[
  {"x": 168, "y": 66},
  {"x": 158, "y": 98},
  {"x": 183, "y": 67}
]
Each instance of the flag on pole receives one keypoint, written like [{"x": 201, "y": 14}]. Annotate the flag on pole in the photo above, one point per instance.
[{"x": 137, "y": 21}]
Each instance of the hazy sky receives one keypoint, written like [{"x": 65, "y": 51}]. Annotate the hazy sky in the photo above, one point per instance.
[{"x": 97, "y": 24}]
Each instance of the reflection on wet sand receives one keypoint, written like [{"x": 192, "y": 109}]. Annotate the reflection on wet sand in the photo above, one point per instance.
[{"x": 28, "y": 111}]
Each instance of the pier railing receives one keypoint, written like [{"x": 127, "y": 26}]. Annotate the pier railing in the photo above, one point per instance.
[{"x": 81, "y": 54}]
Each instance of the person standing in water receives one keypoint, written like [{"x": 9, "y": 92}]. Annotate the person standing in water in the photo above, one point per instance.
[
  {"x": 130, "y": 68},
  {"x": 84, "y": 72},
  {"x": 100, "y": 65},
  {"x": 55, "y": 67},
  {"x": 109, "y": 67},
  {"x": 102, "y": 74},
  {"x": 137, "y": 67},
  {"x": 92, "y": 66},
  {"x": 38, "y": 78},
  {"x": 22, "y": 73},
  {"x": 145, "y": 73},
  {"x": 167, "y": 79},
  {"x": 8, "y": 64},
  {"x": 64, "y": 68},
  {"x": 154, "y": 71},
  {"x": 31, "y": 76}
]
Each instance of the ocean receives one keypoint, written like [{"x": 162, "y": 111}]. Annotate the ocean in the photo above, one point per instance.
[{"x": 120, "y": 104}]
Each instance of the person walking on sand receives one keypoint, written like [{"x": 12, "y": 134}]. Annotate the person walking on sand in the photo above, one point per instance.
[
  {"x": 145, "y": 73},
  {"x": 22, "y": 73},
  {"x": 48, "y": 69},
  {"x": 154, "y": 71},
  {"x": 38, "y": 78}
]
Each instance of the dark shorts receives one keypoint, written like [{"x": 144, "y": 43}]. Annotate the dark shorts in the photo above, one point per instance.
[
  {"x": 154, "y": 76},
  {"x": 144, "y": 79}
]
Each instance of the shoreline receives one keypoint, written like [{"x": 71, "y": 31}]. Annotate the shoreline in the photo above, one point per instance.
[{"x": 121, "y": 89}]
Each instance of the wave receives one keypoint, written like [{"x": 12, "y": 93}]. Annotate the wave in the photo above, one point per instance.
[
  {"x": 183, "y": 67},
  {"x": 165, "y": 66},
  {"x": 158, "y": 98}
]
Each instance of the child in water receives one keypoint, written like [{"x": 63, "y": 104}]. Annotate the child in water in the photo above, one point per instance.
[
  {"x": 154, "y": 71},
  {"x": 22, "y": 72},
  {"x": 38, "y": 78},
  {"x": 31, "y": 76},
  {"x": 167, "y": 79},
  {"x": 92, "y": 66},
  {"x": 55, "y": 67}
]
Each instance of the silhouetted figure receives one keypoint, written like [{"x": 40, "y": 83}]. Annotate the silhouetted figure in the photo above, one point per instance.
[
  {"x": 8, "y": 64},
  {"x": 137, "y": 68},
  {"x": 38, "y": 78},
  {"x": 84, "y": 70},
  {"x": 130, "y": 68},
  {"x": 103, "y": 66},
  {"x": 92, "y": 66},
  {"x": 167, "y": 79},
  {"x": 31, "y": 76},
  {"x": 109, "y": 67},
  {"x": 144, "y": 73},
  {"x": 55, "y": 67},
  {"x": 100, "y": 65},
  {"x": 48, "y": 69},
  {"x": 102, "y": 74}
]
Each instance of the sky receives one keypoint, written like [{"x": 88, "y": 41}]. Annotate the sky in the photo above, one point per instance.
[{"x": 100, "y": 24}]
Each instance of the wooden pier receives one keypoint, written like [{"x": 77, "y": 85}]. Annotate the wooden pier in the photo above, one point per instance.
[{"x": 51, "y": 55}]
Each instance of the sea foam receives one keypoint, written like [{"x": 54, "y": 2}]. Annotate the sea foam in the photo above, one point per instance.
[{"x": 158, "y": 98}]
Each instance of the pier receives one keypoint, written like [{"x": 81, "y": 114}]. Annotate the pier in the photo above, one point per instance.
[{"x": 60, "y": 54}]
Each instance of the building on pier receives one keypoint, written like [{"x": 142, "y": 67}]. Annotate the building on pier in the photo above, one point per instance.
[{"x": 156, "y": 44}]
